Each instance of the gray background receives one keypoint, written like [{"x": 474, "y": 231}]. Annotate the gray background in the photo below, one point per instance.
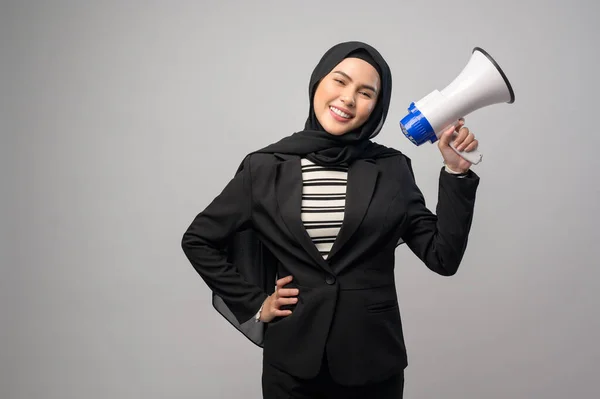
[{"x": 122, "y": 120}]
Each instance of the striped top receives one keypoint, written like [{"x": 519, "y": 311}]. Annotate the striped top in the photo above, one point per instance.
[{"x": 323, "y": 202}]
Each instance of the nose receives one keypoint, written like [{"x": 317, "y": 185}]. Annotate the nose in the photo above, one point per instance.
[{"x": 347, "y": 99}]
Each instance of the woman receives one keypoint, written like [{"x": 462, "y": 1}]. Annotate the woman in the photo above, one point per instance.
[{"x": 324, "y": 210}]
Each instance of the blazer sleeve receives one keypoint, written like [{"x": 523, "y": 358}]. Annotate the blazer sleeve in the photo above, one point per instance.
[
  {"x": 440, "y": 239},
  {"x": 205, "y": 242}
]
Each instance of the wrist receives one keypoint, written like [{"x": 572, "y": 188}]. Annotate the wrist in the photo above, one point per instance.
[
  {"x": 455, "y": 171},
  {"x": 258, "y": 316}
]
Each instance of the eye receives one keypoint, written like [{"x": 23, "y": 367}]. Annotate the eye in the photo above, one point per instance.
[
  {"x": 366, "y": 94},
  {"x": 339, "y": 81}
]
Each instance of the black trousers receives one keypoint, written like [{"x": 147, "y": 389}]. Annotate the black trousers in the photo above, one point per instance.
[{"x": 277, "y": 384}]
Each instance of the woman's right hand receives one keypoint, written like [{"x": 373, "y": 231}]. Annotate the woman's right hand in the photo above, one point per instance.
[{"x": 281, "y": 296}]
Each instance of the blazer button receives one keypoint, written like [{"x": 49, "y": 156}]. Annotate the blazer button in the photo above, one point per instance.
[{"x": 330, "y": 280}]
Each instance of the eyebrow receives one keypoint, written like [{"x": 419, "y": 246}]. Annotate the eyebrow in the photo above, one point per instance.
[{"x": 350, "y": 79}]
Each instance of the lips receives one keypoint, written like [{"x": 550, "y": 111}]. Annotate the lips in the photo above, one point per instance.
[{"x": 340, "y": 114}]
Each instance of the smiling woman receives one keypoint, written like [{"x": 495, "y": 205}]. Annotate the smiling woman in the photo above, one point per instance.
[
  {"x": 326, "y": 208},
  {"x": 346, "y": 97}
]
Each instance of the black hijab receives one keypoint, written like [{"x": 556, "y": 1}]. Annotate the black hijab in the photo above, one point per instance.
[
  {"x": 323, "y": 148},
  {"x": 245, "y": 250}
]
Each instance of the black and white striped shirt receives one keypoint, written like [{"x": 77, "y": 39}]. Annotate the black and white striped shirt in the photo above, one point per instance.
[{"x": 323, "y": 202}]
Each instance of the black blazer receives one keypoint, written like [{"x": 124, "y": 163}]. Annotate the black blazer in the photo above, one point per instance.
[{"x": 347, "y": 304}]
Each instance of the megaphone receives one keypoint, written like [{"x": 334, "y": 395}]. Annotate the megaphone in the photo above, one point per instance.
[{"x": 481, "y": 83}]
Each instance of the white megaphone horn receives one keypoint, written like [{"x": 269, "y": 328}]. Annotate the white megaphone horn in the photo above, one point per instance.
[{"x": 481, "y": 83}]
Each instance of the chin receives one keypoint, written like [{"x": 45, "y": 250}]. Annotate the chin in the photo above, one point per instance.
[
  {"x": 336, "y": 129},
  {"x": 336, "y": 132}
]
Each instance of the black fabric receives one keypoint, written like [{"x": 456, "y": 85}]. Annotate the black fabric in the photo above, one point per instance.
[
  {"x": 277, "y": 384},
  {"x": 365, "y": 56},
  {"x": 347, "y": 304},
  {"x": 245, "y": 251},
  {"x": 347, "y": 308},
  {"x": 322, "y": 148}
]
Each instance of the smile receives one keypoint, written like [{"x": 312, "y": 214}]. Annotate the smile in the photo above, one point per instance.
[{"x": 340, "y": 113}]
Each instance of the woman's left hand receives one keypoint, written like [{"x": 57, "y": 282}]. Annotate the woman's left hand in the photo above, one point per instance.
[{"x": 464, "y": 140}]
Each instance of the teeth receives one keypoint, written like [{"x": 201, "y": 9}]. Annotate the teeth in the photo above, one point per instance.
[{"x": 340, "y": 113}]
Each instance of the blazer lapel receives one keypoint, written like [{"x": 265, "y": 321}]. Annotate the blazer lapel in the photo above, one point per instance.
[
  {"x": 289, "y": 198},
  {"x": 362, "y": 177}
]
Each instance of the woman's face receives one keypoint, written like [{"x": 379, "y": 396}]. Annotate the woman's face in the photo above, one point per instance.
[{"x": 345, "y": 98}]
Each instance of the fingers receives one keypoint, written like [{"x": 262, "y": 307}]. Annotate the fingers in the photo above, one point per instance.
[
  {"x": 448, "y": 134},
  {"x": 283, "y": 281},
  {"x": 278, "y": 312},
  {"x": 460, "y": 136},
  {"x": 465, "y": 140},
  {"x": 280, "y": 291},
  {"x": 472, "y": 146},
  {"x": 283, "y": 297},
  {"x": 285, "y": 301},
  {"x": 281, "y": 302},
  {"x": 288, "y": 292}
]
